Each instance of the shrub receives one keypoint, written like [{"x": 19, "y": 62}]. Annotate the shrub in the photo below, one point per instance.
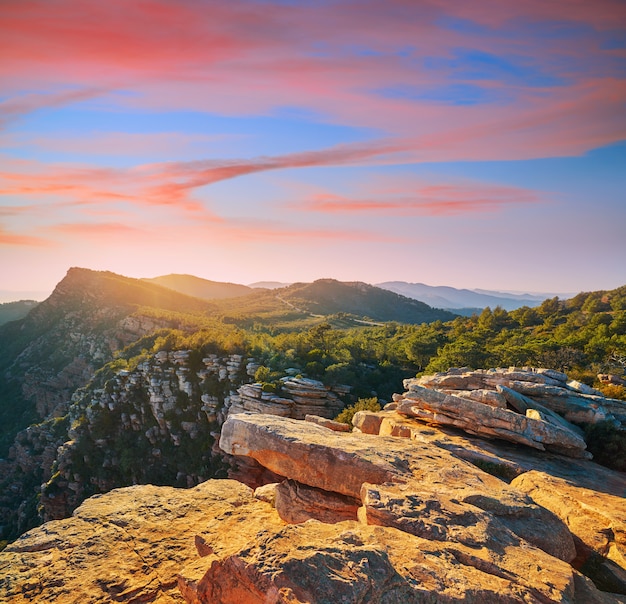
[
  {"x": 363, "y": 404},
  {"x": 613, "y": 391},
  {"x": 607, "y": 444}
]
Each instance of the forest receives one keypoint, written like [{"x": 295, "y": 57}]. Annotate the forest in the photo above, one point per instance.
[{"x": 583, "y": 336}]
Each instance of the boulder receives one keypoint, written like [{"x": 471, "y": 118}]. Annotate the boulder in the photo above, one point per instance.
[
  {"x": 596, "y": 519},
  {"x": 308, "y": 453}
]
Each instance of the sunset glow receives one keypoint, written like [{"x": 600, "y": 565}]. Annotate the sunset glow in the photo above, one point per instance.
[{"x": 472, "y": 144}]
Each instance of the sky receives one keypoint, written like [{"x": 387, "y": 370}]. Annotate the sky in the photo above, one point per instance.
[{"x": 472, "y": 144}]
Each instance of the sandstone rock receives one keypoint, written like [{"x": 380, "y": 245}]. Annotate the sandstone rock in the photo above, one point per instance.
[
  {"x": 220, "y": 544},
  {"x": 577, "y": 408},
  {"x": 590, "y": 499},
  {"x": 343, "y": 463},
  {"x": 577, "y": 386},
  {"x": 310, "y": 454},
  {"x": 125, "y": 546},
  {"x": 573, "y": 400},
  {"x": 267, "y": 493},
  {"x": 367, "y": 422},
  {"x": 477, "y": 418},
  {"x": 523, "y": 403},
  {"x": 320, "y": 563},
  {"x": 596, "y": 519},
  {"x": 296, "y": 502},
  {"x": 481, "y": 395},
  {"x": 300, "y": 397}
]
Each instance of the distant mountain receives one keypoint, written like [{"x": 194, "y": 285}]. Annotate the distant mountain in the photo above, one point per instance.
[
  {"x": 452, "y": 298},
  {"x": 201, "y": 288},
  {"x": 63, "y": 340},
  {"x": 328, "y": 296},
  {"x": 11, "y": 311},
  {"x": 7, "y": 295},
  {"x": 268, "y": 285}
]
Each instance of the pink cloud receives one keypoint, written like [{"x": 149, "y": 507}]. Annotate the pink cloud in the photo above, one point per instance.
[
  {"x": 19, "y": 106},
  {"x": 425, "y": 199},
  {"x": 14, "y": 239},
  {"x": 106, "y": 230},
  {"x": 245, "y": 58},
  {"x": 120, "y": 143}
]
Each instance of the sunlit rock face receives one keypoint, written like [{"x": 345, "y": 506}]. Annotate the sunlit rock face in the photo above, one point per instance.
[{"x": 398, "y": 510}]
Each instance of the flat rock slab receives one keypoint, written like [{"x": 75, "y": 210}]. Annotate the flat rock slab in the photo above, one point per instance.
[
  {"x": 311, "y": 454},
  {"x": 342, "y": 463},
  {"x": 125, "y": 546}
]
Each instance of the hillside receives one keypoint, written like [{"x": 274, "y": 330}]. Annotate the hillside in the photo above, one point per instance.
[
  {"x": 327, "y": 296},
  {"x": 360, "y": 300},
  {"x": 200, "y": 288},
  {"x": 451, "y": 298},
  {"x": 64, "y": 339},
  {"x": 342, "y": 305},
  {"x": 11, "y": 311}
]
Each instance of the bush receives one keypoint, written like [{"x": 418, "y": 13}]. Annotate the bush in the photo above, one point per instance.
[
  {"x": 613, "y": 391},
  {"x": 363, "y": 404},
  {"x": 607, "y": 444}
]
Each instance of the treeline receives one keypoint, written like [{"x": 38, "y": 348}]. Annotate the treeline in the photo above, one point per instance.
[{"x": 583, "y": 336}]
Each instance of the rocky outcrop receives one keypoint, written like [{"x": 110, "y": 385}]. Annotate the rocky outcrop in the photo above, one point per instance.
[
  {"x": 298, "y": 398},
  {"x": 534, "y": 407},
  {"x": 597, "y": 521},
  {"x": 478, "y": 418},
  {"x": 433, "y": 482},
  {"x": 588, "y": 498},
  {"x": 423, "y": 490},
  {"x": 357, "y": 518},
  {"x": 48, "y": 355},
  {"x": 127, "y": 545}
]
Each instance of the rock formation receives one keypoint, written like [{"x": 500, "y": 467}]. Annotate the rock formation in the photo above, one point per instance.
[
  {"x": 298, "y": 398},
  {"x": 534, "y": 407},
  {"x": 169, "y": 403},
  {"x": 470, "y": 487},
  {"x": 357, "y": 518}
]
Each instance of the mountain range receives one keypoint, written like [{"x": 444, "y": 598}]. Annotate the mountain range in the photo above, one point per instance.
[
  {"x": 463, "y": 301},
  {"x": 471, "y": 300}
]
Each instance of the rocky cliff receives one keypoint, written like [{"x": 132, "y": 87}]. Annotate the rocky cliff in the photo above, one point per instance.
[
  {"x": 58, "y": 348},
  {"x": 400, "y": 510},
  {"x": 158, "y": 422}
]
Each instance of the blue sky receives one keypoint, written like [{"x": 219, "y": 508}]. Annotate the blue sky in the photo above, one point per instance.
[{"x": 477, "y": 145}]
